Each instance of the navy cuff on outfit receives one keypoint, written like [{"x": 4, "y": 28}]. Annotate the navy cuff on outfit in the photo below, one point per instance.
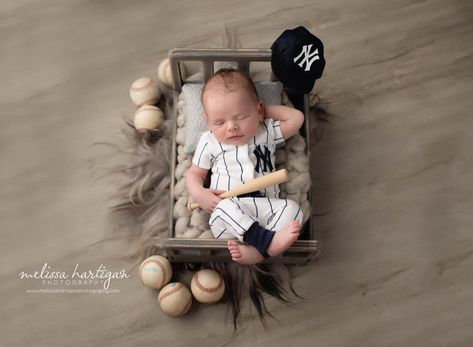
[{"x": 259, "y": 237}]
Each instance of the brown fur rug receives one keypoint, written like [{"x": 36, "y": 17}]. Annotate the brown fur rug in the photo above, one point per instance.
[{"x": 141, "y": 215}]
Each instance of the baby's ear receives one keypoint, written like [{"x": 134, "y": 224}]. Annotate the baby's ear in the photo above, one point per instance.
[{"x": 260, "y": 108}]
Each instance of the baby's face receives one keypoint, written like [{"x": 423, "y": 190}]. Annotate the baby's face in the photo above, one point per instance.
[{"x": 233, "y": 117}]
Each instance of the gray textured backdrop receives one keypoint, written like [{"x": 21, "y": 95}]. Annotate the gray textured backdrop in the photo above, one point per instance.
[{"x": 391, "y": 176}]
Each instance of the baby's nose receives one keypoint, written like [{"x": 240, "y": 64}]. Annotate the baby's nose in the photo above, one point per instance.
[{"x": 232, "y": 126}]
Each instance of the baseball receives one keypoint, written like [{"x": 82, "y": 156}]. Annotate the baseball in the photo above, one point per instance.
[
  {"x": 148, "y": 117},
  {"x": 175, "y": 299},
  {"x": 145, "y": 91},
  {"x": 165, "y": 73},
  {"x": 207, "y": 286},
  {"x": 155, "y": 271}
]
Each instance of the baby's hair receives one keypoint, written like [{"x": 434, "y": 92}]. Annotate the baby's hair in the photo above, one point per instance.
[{"x": 230, "y": 79}]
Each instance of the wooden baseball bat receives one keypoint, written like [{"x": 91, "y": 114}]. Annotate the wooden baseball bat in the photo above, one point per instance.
[{"x": 254, "y": 185}]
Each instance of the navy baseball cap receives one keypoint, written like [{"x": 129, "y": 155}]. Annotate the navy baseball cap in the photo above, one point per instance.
[{"x": 297, "y": 59}]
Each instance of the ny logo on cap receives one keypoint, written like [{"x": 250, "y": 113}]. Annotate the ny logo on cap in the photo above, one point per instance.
[{"x": 306, "y": 56}]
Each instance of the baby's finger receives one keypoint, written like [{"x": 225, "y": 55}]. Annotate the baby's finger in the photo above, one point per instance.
[
  {"x": 215, "y": 203},
  {"x": 217, "y": 192},
  {"x": 210, "y": 208}
]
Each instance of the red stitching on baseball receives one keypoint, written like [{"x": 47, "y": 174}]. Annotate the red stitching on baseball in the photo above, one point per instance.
[
  {"x": 135, "y": 89},
  {"x": 148, "y": 101},
  {"x": 172, "y": 291},
  {"x": 187, "y": 307},
  {"x": 208, "y": 290},
  {"x": 163, "y": 269}
]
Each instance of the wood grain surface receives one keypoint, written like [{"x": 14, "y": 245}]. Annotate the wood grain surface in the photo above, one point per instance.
[{"x": 392, "y": 173}]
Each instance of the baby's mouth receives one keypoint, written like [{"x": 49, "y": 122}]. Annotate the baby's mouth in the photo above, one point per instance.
[{"x": 235, "y": 137}]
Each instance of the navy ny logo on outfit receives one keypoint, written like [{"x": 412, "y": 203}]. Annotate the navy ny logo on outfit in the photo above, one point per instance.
[{"x": 263, "y": 160}]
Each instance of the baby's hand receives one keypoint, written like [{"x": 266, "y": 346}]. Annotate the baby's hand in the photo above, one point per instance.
[{"x": 208, "y": 199}]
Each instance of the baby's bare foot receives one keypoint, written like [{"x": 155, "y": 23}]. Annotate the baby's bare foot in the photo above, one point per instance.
[
  {"x": 284, "y": 238},
  {"x": 244, "y": 254}
]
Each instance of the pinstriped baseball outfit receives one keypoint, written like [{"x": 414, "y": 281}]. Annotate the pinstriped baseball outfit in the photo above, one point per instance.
[{"x": 232, "y": 166}]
